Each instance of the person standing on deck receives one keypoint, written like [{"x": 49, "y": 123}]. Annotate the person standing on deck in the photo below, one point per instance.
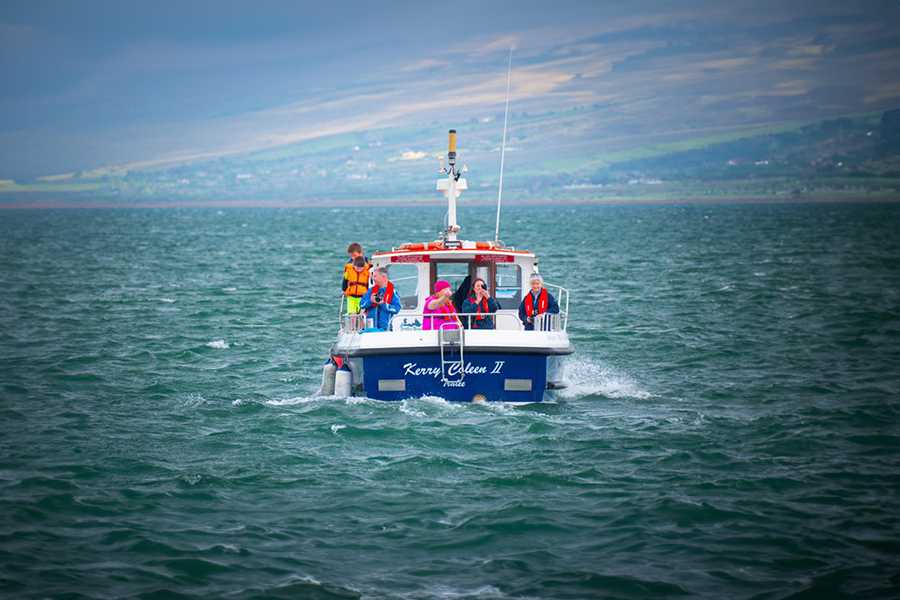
[
  {"x": 537, "y": 301},
  {"x": 382, "y": 301},
  {"x": 356, "y": 282},
  {"x": 439, "y": 309}
]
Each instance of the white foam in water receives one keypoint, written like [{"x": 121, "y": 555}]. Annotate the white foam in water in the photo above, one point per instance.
[
  {"x": 407, "y": 409},
  {"x": 335, "y": 428},
  {"x": 444, "y": 592},
  {"x": 443, "y": 402},
  {"x": 292, "y": 401},
  {"x": 586, "y": 378},
  {"x": 167, "y": 300},
  {"x": 194, "y": 400},
  {"x": 359, "y": 400},
  {"x": 218, "y": 344},
  {"x": 503, "y": 408}
]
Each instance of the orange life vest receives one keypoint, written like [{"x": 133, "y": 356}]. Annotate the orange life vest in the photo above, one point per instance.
[
  {"x": 543, "y": 303},
  {"x": 357, "y": 283}
]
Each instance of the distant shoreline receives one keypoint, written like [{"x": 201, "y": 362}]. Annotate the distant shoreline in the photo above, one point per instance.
[{"x": 406, "y": 203}]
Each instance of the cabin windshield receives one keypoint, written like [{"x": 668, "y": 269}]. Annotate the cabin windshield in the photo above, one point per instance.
[
  {"x": 509, "y": 287},
  {"x": 414, "y": 277},
  {"x": 405, "y": 278},
  {"x": 454, "y": 272},
  {"x": 504, "y": 280}
]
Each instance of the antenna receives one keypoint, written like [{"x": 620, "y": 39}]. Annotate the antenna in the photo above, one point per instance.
[{"x": 503, "y": 145}]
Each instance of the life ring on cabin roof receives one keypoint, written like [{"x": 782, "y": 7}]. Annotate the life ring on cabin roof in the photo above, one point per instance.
[
  {"x": 484, "y": 245},
  {"x": 420, "y": 247}
]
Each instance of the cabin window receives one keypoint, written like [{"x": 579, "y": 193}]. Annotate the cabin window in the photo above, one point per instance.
[
  {"x": 405, "y": 278},
  {"x": 508, "y": 291},
  {"x": 483, "y": 272},
  {"x": 454, "y": 272}
]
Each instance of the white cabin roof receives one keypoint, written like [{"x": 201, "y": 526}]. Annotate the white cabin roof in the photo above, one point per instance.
[{"x": 467, "y": 250}]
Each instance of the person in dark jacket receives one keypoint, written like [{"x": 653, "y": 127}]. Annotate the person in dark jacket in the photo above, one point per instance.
[
  {"x": 481, "y": 305},
  {"x": 537, "y": 301},
  {"x": 463, "y": 291}
]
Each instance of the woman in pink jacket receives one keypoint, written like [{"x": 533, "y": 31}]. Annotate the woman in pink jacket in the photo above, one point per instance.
[{"x": 440, "y": 305}]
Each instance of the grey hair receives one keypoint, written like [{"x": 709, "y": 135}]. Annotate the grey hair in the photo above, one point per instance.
[
  {"x": 381, "y": 270},
  {"x": 536, "y": 276}
]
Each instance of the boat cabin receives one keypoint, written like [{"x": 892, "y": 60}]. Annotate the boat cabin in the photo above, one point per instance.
[{"x": 414, "y": 269}]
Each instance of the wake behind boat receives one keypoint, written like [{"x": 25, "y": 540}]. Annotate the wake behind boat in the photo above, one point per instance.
[{"x": 419, "y": 352}]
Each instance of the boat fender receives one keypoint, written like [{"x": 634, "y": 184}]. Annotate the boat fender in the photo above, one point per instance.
[
  {"x": 343, "y": 381},
  {"x": 329, "y": 369}
]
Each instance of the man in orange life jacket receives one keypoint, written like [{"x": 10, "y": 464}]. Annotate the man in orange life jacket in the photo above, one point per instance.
[
  {"x": 538, "y": 301},
  {"x": 382, "y": 301}
]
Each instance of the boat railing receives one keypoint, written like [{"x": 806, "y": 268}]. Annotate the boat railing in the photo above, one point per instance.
[
  {"x": 550, "y": 322},
  {"x": 353, "y": 323},
  {"x": 407, "y": 321},
  {"x": 341, "y": 312},
  {"x": 503, "y": 321},
  {"x": 562, "y": 298}
]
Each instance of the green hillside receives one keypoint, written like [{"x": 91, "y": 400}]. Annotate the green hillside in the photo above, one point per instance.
[{"x": 551, "y": 156}]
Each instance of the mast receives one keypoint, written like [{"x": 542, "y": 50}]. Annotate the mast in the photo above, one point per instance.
[{"x": 451, "y": 186}]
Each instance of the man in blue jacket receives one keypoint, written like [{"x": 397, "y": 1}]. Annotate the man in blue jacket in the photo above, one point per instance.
[
  {"x": 536, "y": 302},
  {"x": 381, "y": 302}
]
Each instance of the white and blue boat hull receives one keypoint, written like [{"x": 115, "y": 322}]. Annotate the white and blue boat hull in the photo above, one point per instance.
[
  {"x": 497, "y": 366},
  {"x": 487, "y": 377}
]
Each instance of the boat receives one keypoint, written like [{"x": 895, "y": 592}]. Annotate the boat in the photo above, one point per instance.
[{"x": 505, "y": 364}]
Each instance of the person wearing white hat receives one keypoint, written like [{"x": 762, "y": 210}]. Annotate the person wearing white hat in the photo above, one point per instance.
[{"x": 537, "y": 301}]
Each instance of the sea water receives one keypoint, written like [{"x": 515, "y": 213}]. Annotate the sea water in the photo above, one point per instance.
[{"x": 731, "y": 427}]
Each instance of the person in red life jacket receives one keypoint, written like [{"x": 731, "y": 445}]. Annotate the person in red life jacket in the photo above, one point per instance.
[
  {"x": 537, "y": 302},
  {"x": 381, "y": 302},
  {"x": 439, "y": 310},
  {"x": 481, "y": 305}
]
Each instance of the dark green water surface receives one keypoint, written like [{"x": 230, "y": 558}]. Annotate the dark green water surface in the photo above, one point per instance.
[{"x": 731, "y": 429}]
